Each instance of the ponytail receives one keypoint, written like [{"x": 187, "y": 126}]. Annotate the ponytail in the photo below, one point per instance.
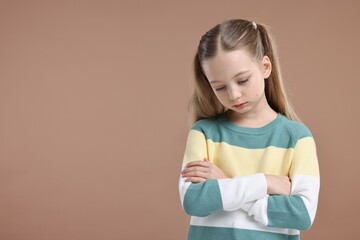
[{"x": 274, "y": 85}]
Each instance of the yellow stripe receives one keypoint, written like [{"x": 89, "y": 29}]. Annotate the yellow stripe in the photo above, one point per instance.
[
  {"x": 238, "y": 161},
  {"x": 305, "y": 158},
  {"x": 196, "y": 148}
]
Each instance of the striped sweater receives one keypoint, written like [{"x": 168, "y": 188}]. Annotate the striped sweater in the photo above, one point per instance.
[{"x": 239, "y": 207}]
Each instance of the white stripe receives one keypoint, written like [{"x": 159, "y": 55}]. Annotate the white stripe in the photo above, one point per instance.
[
  {"x": 307, "y": 187},
  {"x": 235, "y": 192},
  {"x": 237, "y": 219},
  {"x": 258, "y": 210},
  {"x": 183, "y": 186}
]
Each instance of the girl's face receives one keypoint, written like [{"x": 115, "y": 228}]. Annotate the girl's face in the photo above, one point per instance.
[{"x": 238, "y": 80}]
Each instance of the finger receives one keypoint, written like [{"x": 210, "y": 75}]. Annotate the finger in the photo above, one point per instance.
[
  {"x": 198, "y": 163},
  {"x": 195, "y": 163},
  {"x": 195, "y": 179},
  {"x": 195, "y": 174},
  {"x": 195, "y": 168}
]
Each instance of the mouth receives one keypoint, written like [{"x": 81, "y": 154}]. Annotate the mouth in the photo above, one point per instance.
[{"x": 241, "y": 105}]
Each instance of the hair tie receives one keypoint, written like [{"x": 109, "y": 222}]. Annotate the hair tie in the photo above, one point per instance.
[{"x": 254, "y": 24}]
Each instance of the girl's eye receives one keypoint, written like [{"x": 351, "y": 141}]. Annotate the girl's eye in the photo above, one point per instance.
[
  {"x": 243, "y": 81},
  {"x": 220, "y": 88}
]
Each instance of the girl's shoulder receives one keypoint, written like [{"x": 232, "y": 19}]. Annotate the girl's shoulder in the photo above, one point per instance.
[
  {"x": 282, "y": 127},
  {"x": 205, "y": 124},
  {"x": 297, "y": 129}
]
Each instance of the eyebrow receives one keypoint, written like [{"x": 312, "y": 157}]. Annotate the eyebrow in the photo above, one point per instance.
[{"x": 236, "y": 75}]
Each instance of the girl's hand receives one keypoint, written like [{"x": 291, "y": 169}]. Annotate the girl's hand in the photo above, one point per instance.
[
  {"x": 200, "y": 171},
  {"x": 278, "y": 184}
]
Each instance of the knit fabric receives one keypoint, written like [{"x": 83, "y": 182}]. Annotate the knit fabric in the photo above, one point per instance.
[{"x": 239, "y": 207}]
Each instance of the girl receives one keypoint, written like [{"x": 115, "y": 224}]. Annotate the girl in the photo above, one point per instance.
[{"x": 250, "y": 171}]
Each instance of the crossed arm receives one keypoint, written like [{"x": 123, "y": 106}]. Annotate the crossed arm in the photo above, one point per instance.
[
  {"x": 274, "y": 201},
  {"x": 202, "y": 170}
]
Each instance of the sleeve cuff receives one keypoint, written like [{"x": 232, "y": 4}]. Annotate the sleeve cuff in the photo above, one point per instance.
[
  {"x": 256, "y": 187},
  {"x": 238, "y": 191}
]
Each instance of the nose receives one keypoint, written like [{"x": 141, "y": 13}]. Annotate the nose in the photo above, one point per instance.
[{"x": 234, "y": 93}]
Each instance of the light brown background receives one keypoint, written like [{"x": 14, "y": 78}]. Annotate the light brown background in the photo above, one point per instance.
[{"x": 93, "y": 98}]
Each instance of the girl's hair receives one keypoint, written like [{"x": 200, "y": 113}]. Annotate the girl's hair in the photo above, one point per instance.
[{"x": 232, "y": 35}]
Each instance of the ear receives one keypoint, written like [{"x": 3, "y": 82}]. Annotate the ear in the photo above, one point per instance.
[{"x": 266, "y": 66}]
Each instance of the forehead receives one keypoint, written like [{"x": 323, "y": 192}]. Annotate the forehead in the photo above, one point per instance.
[{"x": 226, "y": 64}]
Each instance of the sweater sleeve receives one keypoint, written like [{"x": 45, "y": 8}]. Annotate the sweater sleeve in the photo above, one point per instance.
[
  {"x": 296, "y": 211},
  {"x": 203, "y": 199}
]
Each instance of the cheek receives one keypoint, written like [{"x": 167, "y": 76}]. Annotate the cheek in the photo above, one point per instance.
[
  {"x": 257, "y": 90},
  {"x": 218, "y": 96},
  {"x": 222, "y": 97},
  {"x": 260, "y": 89}
]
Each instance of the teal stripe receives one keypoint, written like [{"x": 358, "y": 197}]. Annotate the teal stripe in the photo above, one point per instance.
[
  {"x": 288, "y": 212},
  {"x": 281, "y": 133},
  {"x": 218, "y": 233},
  {"x": 202, "y": 199}
]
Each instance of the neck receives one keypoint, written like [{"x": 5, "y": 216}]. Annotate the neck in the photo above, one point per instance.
[{"x": 252, "y": 119}]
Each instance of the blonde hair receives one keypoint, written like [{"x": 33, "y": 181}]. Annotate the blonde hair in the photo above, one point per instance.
[{"x": 231, "y": 35}]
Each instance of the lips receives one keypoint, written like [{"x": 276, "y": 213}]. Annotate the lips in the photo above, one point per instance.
[{"x": 241, "y": 105}]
